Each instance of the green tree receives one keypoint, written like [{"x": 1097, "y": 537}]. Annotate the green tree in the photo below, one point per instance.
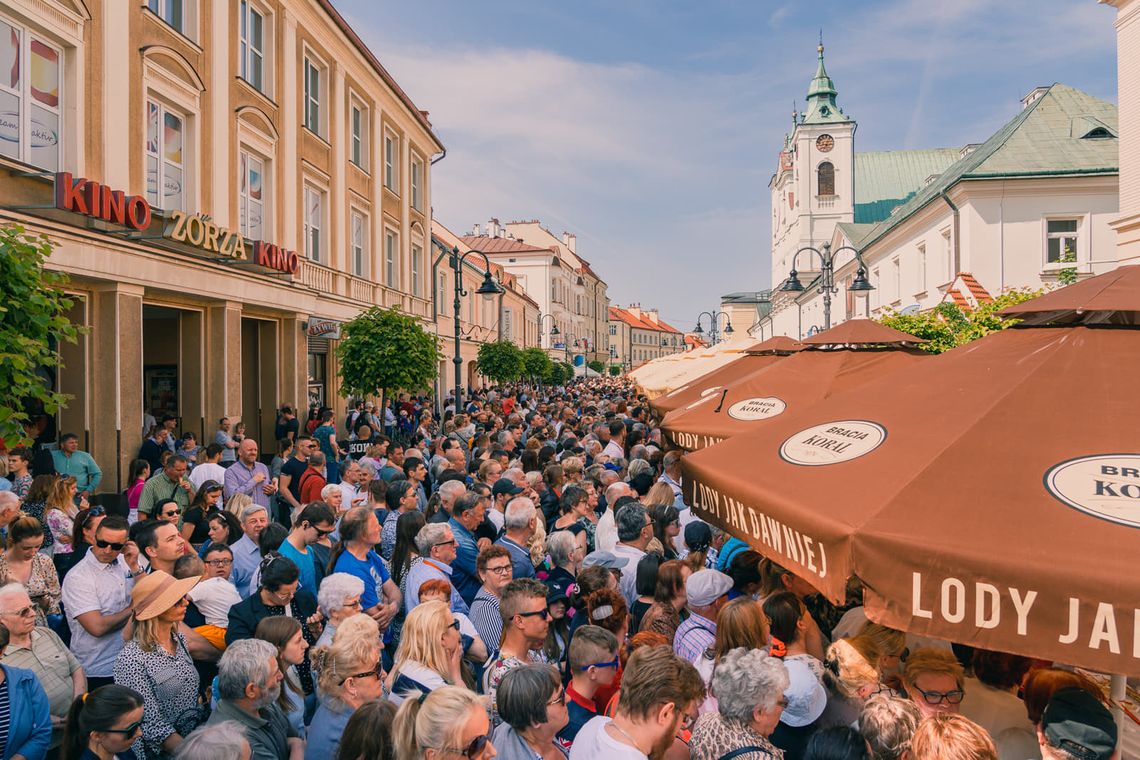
[
  {"x": 598, "y": 366},
  {"x": 948, "y": 326},
  {"x": 536, "y": 363},
  {"x": 560, "y": 373},
  {"x": 615, "y": 370},
  {"x": 1068, "y": 275},
  {"x": 501, "y": 361},
  {"x": 33, "y": 321},
  {"x": 383, "y": 350}
]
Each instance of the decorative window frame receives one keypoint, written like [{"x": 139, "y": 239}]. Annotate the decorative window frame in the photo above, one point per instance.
[{"x": 183, "y": 98}]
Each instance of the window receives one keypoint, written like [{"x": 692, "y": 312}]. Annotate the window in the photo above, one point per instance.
[
  {"x": 826, "y": 178},
  {"x": 311, "y": 101},
  {"x": 359, "y": 245},
  {"x": 876, "y": 292},
  {"x": 417, "y": 268},
  {"x": 170, "y": 11},
  {"x": 506, "y": 324},
  {"x": 896, "y": 277},
  {"x": 251, "y": 204},
  {"x": 358, "y": 139},
  {"x": 1061, "y": 241},
  {"x": 920, "y": 285},
  {"x": 165, "y": 156},
  {"x": 441, "y": 299},
  {"x": 613, "y": 329},
  {"x": 417, "y": 183},
  {"x": 30, "y": 102},
  {"x": 314, "y": 219},
  {"x": 391, "y": 273},
  {"x": 392, "y": 162},
  {"x": 251, "y": 45},
  {"x": 947, "y": 257}
]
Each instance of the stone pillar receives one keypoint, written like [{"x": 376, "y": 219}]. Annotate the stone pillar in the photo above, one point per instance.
[
  {"x": 223, "y": 363},
  {"x": 294, "y": 364},
  {"x": 117, "y": 380}
]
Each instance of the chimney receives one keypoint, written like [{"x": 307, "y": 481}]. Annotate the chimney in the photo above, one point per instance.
[
  {"x": 494, "y": 229},
  {"x": 570, "y": 241},
  {"x": 635, "y": 310},
  {"x": 475, "y": 231},
  {"x": 651, "y": 315}
]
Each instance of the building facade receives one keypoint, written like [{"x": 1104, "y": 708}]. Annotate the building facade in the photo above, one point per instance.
[
  {"x": 511, "y": 315},
  {"x": 1127, "y": 224},
  {"x": 638, "y": 335},
  {"x": 224, "y": 182},
  {"x": 1035, "y": 198}
]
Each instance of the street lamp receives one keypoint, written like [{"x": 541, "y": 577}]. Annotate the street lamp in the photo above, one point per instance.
[
  {"x": 489, "y": 287},
  {"x": 554, "y": 331},
  {"x": 860, "y": 286},
  {"x": 714, "y": 318}
]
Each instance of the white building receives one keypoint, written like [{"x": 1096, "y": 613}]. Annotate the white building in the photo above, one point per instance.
[
  {"x": 992, "y": 216},
  {"x": 1127, "y": 225}
]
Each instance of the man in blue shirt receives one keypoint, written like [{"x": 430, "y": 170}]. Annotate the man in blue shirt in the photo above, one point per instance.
[
  {"x": 313, "y": 523},
  {"x": 466, "y": 516},
  {"x": 69, "y": 460},
  {"x": 519, "y": 523},
  {"x": 359, "y": 532},
  {"x": 436, "y": 544}
]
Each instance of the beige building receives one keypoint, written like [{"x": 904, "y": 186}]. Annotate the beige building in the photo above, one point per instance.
[
  {"x": 512, "y": 315},
  {"x": 638, "y": 335},
  {"x": 1127, "y": 224},
  {"x": 252, "y": 177}
]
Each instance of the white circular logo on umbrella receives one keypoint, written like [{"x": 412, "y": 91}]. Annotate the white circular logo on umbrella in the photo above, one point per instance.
[
  {"x": 833, "y": 442},
  {"x": 1104, "y": 485},
  {"x": 751, "y": 409}
]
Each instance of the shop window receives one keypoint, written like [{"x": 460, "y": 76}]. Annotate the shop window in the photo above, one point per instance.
[
  {"x": 314, "y": 201},
  {"x": 392, "y": 162},
  {"x": 1061, "y": 241},
  {"x": 391, "y": 257},
  {"x": 251, "y": 45},
  {"x": 359, "y": 245},
  {"x": 251, "y": 189},
  {"x": 166, "y": 147},
  {"x": 31, "y": 123},
  {"x": 417, "y": 269},
  {"x": 417, "y": 183}
]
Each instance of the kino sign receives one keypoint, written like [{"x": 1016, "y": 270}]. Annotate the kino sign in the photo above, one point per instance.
[{"x": 90, "y": 198}]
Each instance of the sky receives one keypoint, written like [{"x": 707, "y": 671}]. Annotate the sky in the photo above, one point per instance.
[{"x": 650, "y": 128}]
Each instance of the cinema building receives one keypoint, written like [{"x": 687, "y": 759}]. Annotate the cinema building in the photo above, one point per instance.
[{"x": 224, "y": 183}]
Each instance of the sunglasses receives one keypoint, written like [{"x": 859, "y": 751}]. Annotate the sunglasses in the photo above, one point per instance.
[
  {"x": 175, "y": 513},
  {"x": 377, "y": 671},
  {"x": 454, "y": 624},
  {"x": 109, "y": 545},
  {"x": 536, "y": 613},
  {"x": 472, "y": 750},
  {"x": 130, "y": 730},
  {"x": 558, "y": 700},
  {"x": 322, "y": 533}
]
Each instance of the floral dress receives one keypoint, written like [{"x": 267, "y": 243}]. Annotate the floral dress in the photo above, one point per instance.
[
  {"x": 43, "y": 586},
  {"x": 60, "y": 524}
]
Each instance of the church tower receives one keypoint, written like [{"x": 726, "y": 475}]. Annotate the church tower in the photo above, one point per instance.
[{"x": 813, "y": 188}]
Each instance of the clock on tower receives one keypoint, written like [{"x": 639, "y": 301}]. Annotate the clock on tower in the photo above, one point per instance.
[{"x": 824, "y": 143}]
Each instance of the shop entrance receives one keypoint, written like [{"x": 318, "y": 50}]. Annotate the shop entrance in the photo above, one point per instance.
[
  {"x": 259, "y": 402},
  {"x": 173, "y": 367}
]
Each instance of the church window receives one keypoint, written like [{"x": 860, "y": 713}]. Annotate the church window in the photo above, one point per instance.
[{"x": 826, "y": 178}]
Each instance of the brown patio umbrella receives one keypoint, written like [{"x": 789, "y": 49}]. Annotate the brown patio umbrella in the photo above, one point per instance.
[
  {"x": 843, "y": 357},
  {"x": 990, "y": 495},
  {"x": 758, "y": 357}
]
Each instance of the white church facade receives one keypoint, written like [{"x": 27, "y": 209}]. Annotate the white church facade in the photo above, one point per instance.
[{"x": 951, "y": 224}]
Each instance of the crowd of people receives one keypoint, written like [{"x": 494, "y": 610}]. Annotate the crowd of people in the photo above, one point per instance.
[{"x": 520, "y": 577}]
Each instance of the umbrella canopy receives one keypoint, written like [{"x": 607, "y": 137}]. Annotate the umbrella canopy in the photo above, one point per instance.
[
  {"x": 844, "y": 357},
  {"x": 753, "y": 360},
  {"x": 990, "y": 495},
  {"x": 693, "y": 364}
]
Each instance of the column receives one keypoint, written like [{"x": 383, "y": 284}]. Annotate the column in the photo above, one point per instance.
[
  {"x": 192, "y": 373},
  {"x": 338, "y": 193},
  {"x": 270, "y": 370},
  {"x": 287, "y": 178},
  {"x": 294, "y": 386},
  {"x": 223, "y": 362},
  {"x": 116, "y": 381},
  {"x": 220, "y": 159},
  {"x": 116, "y": 84}
]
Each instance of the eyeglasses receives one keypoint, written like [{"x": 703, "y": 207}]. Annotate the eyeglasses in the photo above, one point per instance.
[
  {"x": 24, "y": 612},
  {"x": 377, "y": 671},
  {"x": 454, "y": 624},
  {"x": 611, "y": 664},
  {"x": 220, "y": 562},
  {"x": 688, "y": 721},
  {"x": 452, "y": 542},
  {"x": 130, "y": 730},
  {"x": 109, "y": 545},
  {"x": 938, "y": 697},
  {"x": 472, "y": 750},
  {"x": 558, "y": 700},
  {"x": 782, "y": 703},
  {"x": 500, "y": 570}
]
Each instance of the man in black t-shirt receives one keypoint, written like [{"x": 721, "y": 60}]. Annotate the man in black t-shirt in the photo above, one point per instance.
[
  {"x": 287, "y": 426},
  {"x": 359, "y": 445},
  {"x": 289, "y": 488}
]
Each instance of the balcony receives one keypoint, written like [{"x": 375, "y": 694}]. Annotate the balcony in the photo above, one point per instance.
[{"x": 332, "y": 282}]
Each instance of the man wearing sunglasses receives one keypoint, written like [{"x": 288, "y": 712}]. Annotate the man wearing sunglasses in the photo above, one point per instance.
[
  {"x": 97, "y": 597},
  {"x": 525, "y": 624},
  {"x": 313, "y": 523}
]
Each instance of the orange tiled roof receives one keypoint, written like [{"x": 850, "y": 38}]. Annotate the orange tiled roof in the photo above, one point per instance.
[
  {"x": 979, "y": 293},
  {"x": 488, "y": 244},
  {"x": 619, "y": 314}
]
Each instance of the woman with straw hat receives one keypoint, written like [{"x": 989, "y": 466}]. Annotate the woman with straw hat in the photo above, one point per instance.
[{"x": 156, "y": 663}]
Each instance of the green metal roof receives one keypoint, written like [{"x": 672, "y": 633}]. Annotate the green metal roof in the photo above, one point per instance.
[
  {"x": 1038, "y": 142},
  {"x": 855, "y": 232},
  {"x": 886, "y": 179},
  {"x": 822, "y": 108}
]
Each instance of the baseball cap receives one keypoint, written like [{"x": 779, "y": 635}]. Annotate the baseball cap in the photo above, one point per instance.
[
  {"x": 559, "y": 590},
  {"x": 706, "y": 586},
  {"x": 609, "y": 560},
  {"x": 1077, "y": 722},
  {"x": 806, "y": 696},
  {"x": 698, "y": 536},
  {"x": 504, "y": 485}
]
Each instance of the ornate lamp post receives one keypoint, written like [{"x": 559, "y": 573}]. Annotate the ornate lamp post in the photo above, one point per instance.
[
  {"x": 714, "y": 318},
  {"x": 489, "y": 287},
  {"x": 860, "y": 286}
]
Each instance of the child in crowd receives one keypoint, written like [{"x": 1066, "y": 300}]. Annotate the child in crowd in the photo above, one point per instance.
[
  {"x": 593, "y": 664},
  {"x": 215, "y": 593}
]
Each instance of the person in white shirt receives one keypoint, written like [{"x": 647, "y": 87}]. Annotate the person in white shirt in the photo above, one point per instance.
[
  {"x": 615, "y": 449},
  {"x": 606, "y": 536},
  {"x": 635, "y": 531},
  {"x": 660, "y": 693},
  {"x": 208, "y": 467},
  {"x": 349, "y": 480},
  {"x": 214, "y": 594}
]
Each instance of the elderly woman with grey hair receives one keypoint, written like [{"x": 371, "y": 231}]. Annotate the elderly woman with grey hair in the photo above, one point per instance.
[
  {"x": 337, "y": 598},
  {"x": 749, "y": 686},
  {"x": 532, "y": 703},
  {"x": 215, "y": 741}
]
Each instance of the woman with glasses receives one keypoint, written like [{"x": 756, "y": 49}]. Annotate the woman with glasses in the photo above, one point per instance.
[
  {"x": 86, "y": 524},
  {"x": 224, "y": 528},
  {"x": 349, "y": 674},
  {"x": 103, "y": 725},
  {"x": 156, "y": 663},
  {"x": 532, "y": 704},
  {"x": 430, "y": 652},
  {"x": 934, "y": 680},
  {"x": 277, "y": 594},
  {"x": 23, "y": 563},
  {"x": 450, "y": 723},
  {"x": 168, "y": 510},
  {"x": 337, "y": 598},
  {"x": 207, "y": 502},
  {"x": 749, "y": 685}
]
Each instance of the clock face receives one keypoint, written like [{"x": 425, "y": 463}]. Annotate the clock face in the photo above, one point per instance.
[{"x": 825, "y": 143}]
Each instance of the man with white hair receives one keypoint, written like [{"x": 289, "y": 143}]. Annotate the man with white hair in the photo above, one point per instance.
[
  {"x": 247, "y": 551},
  {"x": 606, "y": 535},
  {"x": 215, "y": 741},
  {"x": 448, "y": 492},
  {"x": 9, "y": 509},
  {"x": 520, "y": 523},
  {"x": 249, "y": 683},
  {"x": 437, "y": 547}
]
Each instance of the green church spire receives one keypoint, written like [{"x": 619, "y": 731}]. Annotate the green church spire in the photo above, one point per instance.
[{"x": 822, "y": 108}]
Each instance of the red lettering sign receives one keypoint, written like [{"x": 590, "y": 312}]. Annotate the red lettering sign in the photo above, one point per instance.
[
  {"x": 274, "y": 257},
  {"x": 84, "y": 196}
]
